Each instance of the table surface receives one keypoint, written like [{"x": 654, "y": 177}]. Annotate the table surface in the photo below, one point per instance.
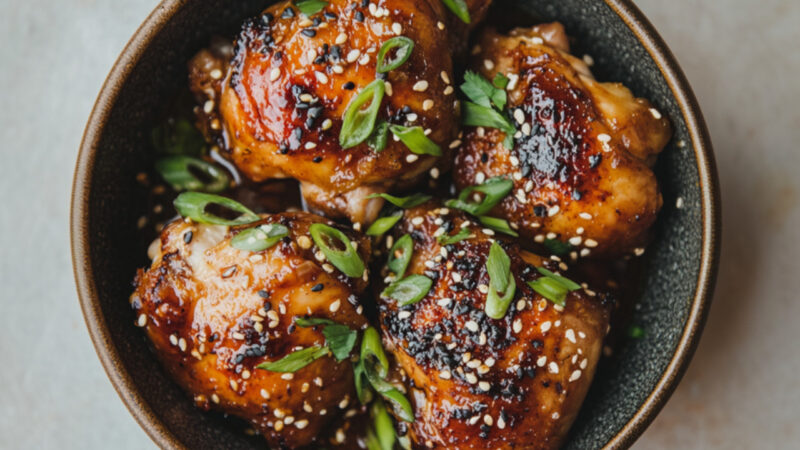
[{"x": 741, "y": 390}]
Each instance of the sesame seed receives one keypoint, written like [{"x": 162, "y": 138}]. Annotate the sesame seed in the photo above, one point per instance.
[
  {"x": 440, "y": 25},
  {"x": 287, "y": 376},
  {"x": 265, "y": 394},
  {"x": 585, "y": 216},
  {"x": 448, "y": 90},
  {"x": 364, "y": 60},
  {"x": 484, "y": 289},
  {"x": 584, "y": 363},
  {"x": 443, "y": 302},
  {"x": 345, "y": 401},
  {"x": 513, "y": 79},
  {"x": 445, "y": 374},
  {"x": 327, "y": 268},
  {"x": 541, "y": 361},
  {"x": 575, "y": 240},
  {"x": 208, "y": 106},
  {"x": 274, "y": 74},
  {"x": 575, "y": 375},
  {"x": 216, "y": 74},
  {"x": 353, "y": 55},
  {"x": 456, "y": 277},
  {"x": 471, "y": 378},
  {"x": 552, "y": 367},
  {"x": 591, "y": 243},
  {"x": 215, "y": 398},
  {"x": 397, "y": 28},
  {"x": 517, "y": 326},
  {"x": 487, "y": 419},
  {"x": 173, "y": 339},
  {"x": 278, "y": 425},
  {"x": 427, "y": 105},
  {"x": 420, "y": 86},
  {"x": 417, "y": 221},
  {"x": 455, "y": 143},
  {"x": 182, "y": 344},
  {"x": 321, "y": 77},
  {"x": 521, "y": 304},
  {"x": 488, "y": 63},
  {"x": 679, "y": 203},
  {"x": 588, "y": 60},
  {"x": 585, "y": 252},
  {"x": 555, "y": 416},
  {"x": 570, "y": 335},
  {"x": 545, "y": 326},
  {"x": 638, "y": 251},
  {"x": 603, "y": 137},
  {"x": 553, "y": 211},
  {"x": 234, "y": 385},
  {"x": 656, "y": 114},
  {"x": 141, "y": 321},
  {"x": 300, "y": 424},
  {"x": 310, "y": 145},
  {"x": 471, "y": 325},
  {"x": 411, "y": 158},
  {"x": 403, "y": 315},
  {"x": 335, "y": 305},
  {"x": 341, "y": 39},
  {"x": 519, "y": 116},
  {"x": 434, "y": 173}
]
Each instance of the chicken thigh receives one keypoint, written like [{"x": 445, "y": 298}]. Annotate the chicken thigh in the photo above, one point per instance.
[
  {"x": 582, "y": 151},
  {"x": 293, "y": 78},
  {"x": 476, "y": 381},
  {"x": 214, "y": 313}
]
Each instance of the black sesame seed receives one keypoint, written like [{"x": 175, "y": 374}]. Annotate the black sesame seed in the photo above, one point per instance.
[
  {"x": 288, "y": 13},
  {"x": 297, "y": 133},
  {"x": 319, "y": 60},
  {"x": 484, "y": 157},
  {"x": 284, "y": 149},
  {"x": 315, "y": 112},
  {"x": 359, "y": 16},
  {"x": 263, "y": 293},
  {"x": 540, "y": 210},
  {"x": 576, "y": 194},
  {"x": 317, "y": 159},
  {"x": 291, "y": 328},
  {"x": 317, "y": 21},
  {"x": 187, "y": 237},
  {"x": 309, "y": 32},
  {"x": 329, "y": 15},
  {"x": 364, "y": 3},
  {"x": 266, "y": 18},
  {"x": 349, "y": 85},
  {"x": 302, "y": 105},
  {"x": 594, "y": 160},
  {"x": 317, "y": 287}
]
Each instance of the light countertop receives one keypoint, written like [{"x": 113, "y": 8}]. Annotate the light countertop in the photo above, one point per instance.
[{"x": 742, "y": 389}]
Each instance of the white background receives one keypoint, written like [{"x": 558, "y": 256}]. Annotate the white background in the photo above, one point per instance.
[{"x": 742, "y": 389}]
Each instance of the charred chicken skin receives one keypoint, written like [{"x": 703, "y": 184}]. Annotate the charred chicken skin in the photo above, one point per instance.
[
  {"x": 213, "y": 313},
  {"x": 293, "y": 77},
  {"x": 582, "y": 153},
  {"x": 476, "y": 381}
]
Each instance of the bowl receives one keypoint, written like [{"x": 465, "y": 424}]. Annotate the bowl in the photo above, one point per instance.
[{"x": 629, "y": 389}]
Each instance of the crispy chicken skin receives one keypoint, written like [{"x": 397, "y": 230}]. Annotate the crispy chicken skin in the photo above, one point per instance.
[
  {"x": 213, "y": 313},
  {"x": 478, "y": 382},
  {"x": 292, "y": 78},
  {"x": 581, "y": 160}
]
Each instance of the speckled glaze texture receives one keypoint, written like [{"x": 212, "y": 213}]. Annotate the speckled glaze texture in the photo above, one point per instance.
[{"x": 629, "y": 388}]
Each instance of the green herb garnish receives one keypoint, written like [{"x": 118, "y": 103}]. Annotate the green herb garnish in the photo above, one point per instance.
[
  {"x": 380, "y": 137},
  {"x": 328, "y": 239},
  {"x": 408, "y": 290},
  {"x": 498, "y": 224},
  {"x": 185, "y": 173},
  {"x": 553, "y": 287},
  {"x": 459, "y": 8},
  {"x": 501, "y": 282},
  {"x": 556, "y": 247},
  {"x": 462, "y": 234},
  {"x": 296, "y": 360},
  {"x": 494, "y": 190},
  {"x": 358, "y": 122},
  {"x": 381, "y": 435},
  {"x": 500, "y": 81},
  {"x": 383, "y": 224},
  {"x": 400, "y": 255},
  {"x": 310, "y": 7},
  {"x": 404, "y": 202},
  {"x": 260, "y": 237},
  {"x": 483, "y": 93},
  {"x": 414, "y": 138},
  {"x": 340, "y": 339},
  {"x": 193, "y": 205},
  {"x": 404, "y": 47},
  {"x": 476, "y": 115},
  {"x": 373, "y": 366}
]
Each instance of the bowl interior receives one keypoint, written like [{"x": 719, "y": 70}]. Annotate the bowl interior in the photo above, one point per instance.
[{"x": 117, "y": 149}]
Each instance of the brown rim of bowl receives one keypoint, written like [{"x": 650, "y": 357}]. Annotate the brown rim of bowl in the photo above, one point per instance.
[{"x": 647, "y": 36}]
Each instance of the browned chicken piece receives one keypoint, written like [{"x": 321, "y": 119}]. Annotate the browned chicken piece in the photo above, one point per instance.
[
  {"x": 213, "y": 313},
  {"x": 293, "y": 77},
  {"x": 480, "y": 382},
  {"x": 581, "y": 159}
]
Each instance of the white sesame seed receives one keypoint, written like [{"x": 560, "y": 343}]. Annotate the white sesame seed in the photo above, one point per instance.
[
  {"x": 588, "y": 60},
  {"x": 591, "y": 243},
  {"x": 519, "y": 116},
  {"x": 274, "y": 74},
  {"x": 553, "y": 210},
  {"x": 141, "y": 321},
  {"x": 517, "y": 326},
  {"x": 364, "y": 60},
  {"x": 575, "y": 375},
  {"x": 215, "y": 398},
  {"x": 545, "y": 326},
  {"x": 310, "y": 145},
  {"x": 403, "y": 315},
  {"x": 420, "y": 86},
  {"x": 416, "y": 221},
  {"x": 388, "y": 86},
  {"x": 570, "y": 335},
  {"x": 656, "y": 114},
  {"x": 575, "y": 240},
  {"x": 427, "y": 105},
  {"x": 216, "y": 74},
  {"x": 555, "y": 415},
  {"x": 584, "y": 363},
  {"x": 471, "y": 378},
  {"x": 456, "y": 277},
  {"x": 448, "y": 90},
  {"x": 321, "y": 77},
  {"x": 480, "y": 177},
  {"x": 173, "y": 339},
  {"x": 443, "y": 302},
  {"x": 455, "y": 143},
  {"x": 488, "y": 63},
  {"x": 585, "y": 252},
  {"x": 397, "y": 28},
  {"x": 679, "y": 203},
  {"x": 182, "y": 344},
  {"x": 552, "y": 367},
  {"x": 471, "y": 325},
  {"x": 487, "y": 419},
  {"x": 445, "y": 374},
  {"x": 585, "y": 216},
  {"x": 234, "y": 385},
  {"x": 440, "y": 25},
  {"x": 484, "y": 289},
  {"x": 541, "y": 361},
  {"x": 353, "y": 55},
  {"x": 434, "y": 172},
  {"x": 638, "y": 251},
  {"x": 341, "y": 38}
]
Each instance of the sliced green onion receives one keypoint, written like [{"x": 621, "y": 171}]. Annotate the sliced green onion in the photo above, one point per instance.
[
  {"x": 400, "y": 255},
  {"x": 361, "y": 383},
  {"x": 312, "y": 322},
  {"x": 371, "y": 348},
  {"x": 178, "y": 137},
  {"x": 409, "y": 290},
  {"x": 404, "y": 202},
  {"x": 414, "y": 138},
  {"x": 383, "y": 426},
  {"x": 500, "y": 81},
  {"x": 459, "y": 8},
  {"x": 296, "y": 360},
  {"x": 340, "y": 339},
  {"x": 176, "y": 171},
  {"x": 260, "y": 237},
  {"x": 569, "y": 284},
  {"x": 383, "y": 224},
  {"x": 193, "y": 205},
  {"x": 404, "y": 47},
  {"x": 346, "y": 260},
  {"x": 399, "y": 402},
  {"x": 462, "y": 234},
  {"x": 501, "y": 282},
  {"x": 483, "y": 93},
  {"x": 358, "y": 122},
  {"x": 498, "y": 224},
  {"x": 635, "y": 332},
  {"x": 494, "y": 190},
  {"x": 310, "y": 7},
  {"x": 556, "y": 247},
  {"x": 379, "y": 137},
  {"x": 550, "y": 289}
]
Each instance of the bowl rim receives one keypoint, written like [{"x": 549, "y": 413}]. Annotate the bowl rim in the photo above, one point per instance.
[{"x": 645, "y": 33}]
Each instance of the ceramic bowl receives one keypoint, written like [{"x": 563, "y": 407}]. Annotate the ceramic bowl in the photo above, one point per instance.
[{"x": 629, "y": 389}]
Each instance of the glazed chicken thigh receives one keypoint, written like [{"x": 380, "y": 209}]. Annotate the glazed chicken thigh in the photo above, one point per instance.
[
  {"x": 582, "y": 152},
  {"x": 214, "y": 312},
  {"x": 476, "y": 381},
  {"x": 293, "y": 77}
]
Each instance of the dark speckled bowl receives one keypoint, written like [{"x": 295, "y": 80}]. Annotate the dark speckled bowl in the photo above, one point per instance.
[{"x": 629, "y": 389}]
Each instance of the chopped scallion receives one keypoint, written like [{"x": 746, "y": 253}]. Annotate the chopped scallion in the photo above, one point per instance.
[
  {"x": 345, "y": 259},
  {"x": 409, "y": 290},
  {"x": 493, "y": 190},
  {"x": 383, "y": 224},
  {"x": 260, "y": 237},
  {"x": 403, "y": 202},
  {"x": 185, "y": 173},
  {"x": 501, "y": 282},
  {"x": 193, "y": 205},
  {"x": 459, "y": 8},
  {"x": 400, "y": 255},
  {"x": 415, "y": 139},
  {"x": 296, "y": 360},
  {"x": 359, "y": 122},
  {"x": 404, "y": 47},
  {"x": 498, "y": 224}
]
